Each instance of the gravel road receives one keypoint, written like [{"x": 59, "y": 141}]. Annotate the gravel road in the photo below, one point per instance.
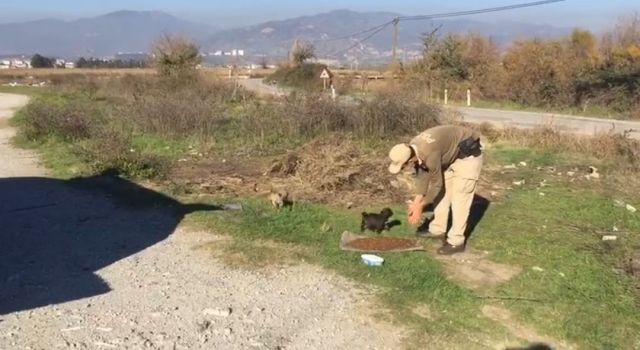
[{"x": 103, "y": 263}]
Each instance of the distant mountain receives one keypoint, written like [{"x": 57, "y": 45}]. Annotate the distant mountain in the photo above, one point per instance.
[
  {"x": 275, "y": 37},
  {"x": 122, "y": 31},
  {"x": 134, "y": 31}
]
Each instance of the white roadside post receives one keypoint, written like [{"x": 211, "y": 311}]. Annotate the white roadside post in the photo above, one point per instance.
[
  {"x": 445, "y": 96},
  {"x": 333, "y": 92},
  {"x": 468, "y": 97}
]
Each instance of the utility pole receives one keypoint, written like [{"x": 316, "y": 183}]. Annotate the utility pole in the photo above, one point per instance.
[{"x": 396, "y": 25}]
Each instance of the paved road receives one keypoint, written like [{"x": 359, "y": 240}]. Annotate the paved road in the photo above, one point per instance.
[
  {"x": 502, "y": 118},
  {"x": 561, "y": 122}
]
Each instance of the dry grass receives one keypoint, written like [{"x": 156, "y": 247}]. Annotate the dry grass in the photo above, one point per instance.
[{"x": 613, "y": 148}]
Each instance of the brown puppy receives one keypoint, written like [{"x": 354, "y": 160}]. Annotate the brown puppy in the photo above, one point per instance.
[{"x": 279, "y": 198}]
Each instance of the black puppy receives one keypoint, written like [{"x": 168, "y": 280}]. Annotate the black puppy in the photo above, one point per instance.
[{"x": 376, "y": 222}]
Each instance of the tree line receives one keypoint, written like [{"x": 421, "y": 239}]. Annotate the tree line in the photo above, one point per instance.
[
  {"x": 580, "y": 70},
  {"x": 40, "y": 61}
]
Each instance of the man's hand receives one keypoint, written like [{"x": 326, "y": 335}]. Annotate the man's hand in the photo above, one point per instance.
[{"x": 415, "y": 210}]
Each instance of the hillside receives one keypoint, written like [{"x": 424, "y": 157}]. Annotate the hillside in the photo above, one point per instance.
[{"x": 122, "y": 31}]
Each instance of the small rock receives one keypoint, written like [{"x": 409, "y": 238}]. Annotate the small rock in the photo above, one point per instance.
[
  {"x": 631, "y": 208},
  {"x": 609, "y": 238},
  {"x": 204, "y": 325},
  {"x": 256, "y": 344},
  {"x": 217, "y": 312},
  {"x": 494, "y": 193},
  {"x": 71, "y": 329},
  {"x": 559, "y": 173},
  {"x": 562, "y": 274},
  {"x": 542, "y": 194},
  {"x": 571, "y": 173},
  {"x": 523, "y": 163},
  {"x": 519, "y": 183},
  {"x": 350, "y": 204},
  {"x": 618, "y": 203},
  {"x": 543, "y": 183},
  {"x": 228, "y": 331},
  {"x": 537, "y": 269},
  {"x": 232, "y": 206},
  {"x": 512, "y": 166}
]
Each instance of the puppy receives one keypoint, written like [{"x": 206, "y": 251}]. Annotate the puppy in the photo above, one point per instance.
[
  {"x": 376, "y": 222},
  {"x": 279, "y": 198}
]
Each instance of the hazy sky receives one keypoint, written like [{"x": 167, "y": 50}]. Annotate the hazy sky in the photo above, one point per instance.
[{"x": 594, "y": 14}]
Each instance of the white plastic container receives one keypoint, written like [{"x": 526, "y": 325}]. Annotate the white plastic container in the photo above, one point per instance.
[{"x": 372, "y": 260}]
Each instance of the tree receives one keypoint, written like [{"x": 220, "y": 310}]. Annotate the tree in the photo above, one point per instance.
[
  {"x": 301, "y": 51},
  {"x": 176, "y": 56},
  {"x": 39, "y": 61},
  {"x": 263, "y": 62}
]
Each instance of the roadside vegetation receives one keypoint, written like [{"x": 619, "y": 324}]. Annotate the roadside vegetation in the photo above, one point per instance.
[
  {"x": 194, "y": 135},
  {"x": 580, "y": 74}
]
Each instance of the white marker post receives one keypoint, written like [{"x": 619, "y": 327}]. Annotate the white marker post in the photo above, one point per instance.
[
  {"x": 333, "y": 92},
  {"x": 468, "y": 97},
  {"x": 446, "y": 99}
]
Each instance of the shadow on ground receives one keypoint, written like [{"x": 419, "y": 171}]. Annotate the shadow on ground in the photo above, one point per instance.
[
  {"x": 479, "y": 207},
  {"x": 55, "y": 234},
  {"x": 533, "y": 347}
]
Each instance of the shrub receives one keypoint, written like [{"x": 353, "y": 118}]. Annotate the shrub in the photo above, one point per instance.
[
  {"x": 111, "y": 150},
  {"x": 304, "y": 76},
  {"x": 176, "y": 57},
  {"x": 70, "y": 119}
]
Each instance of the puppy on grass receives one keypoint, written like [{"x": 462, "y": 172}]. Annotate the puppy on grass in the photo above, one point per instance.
[
  {"x": 376, "y": 222},
  {"x": 279, "y": 198}
]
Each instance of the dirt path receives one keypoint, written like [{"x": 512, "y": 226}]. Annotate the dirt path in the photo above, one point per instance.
[{"x": 102, "y": 263}]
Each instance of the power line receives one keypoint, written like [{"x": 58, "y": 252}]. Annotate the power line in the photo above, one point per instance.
[
  {"x": 474, "y": 12},
  {"x": 360, "y": 42},
  {"x": 377, "y": 29},
  {"x": 353, "y": 35}
]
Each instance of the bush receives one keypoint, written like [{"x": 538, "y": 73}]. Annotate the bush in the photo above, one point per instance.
[
  {"x": 111, "y": 150},
  {"x": 69, "y": 119},
  {"x": 304, "y": 76},
  {"x": 176, "y": 57}
]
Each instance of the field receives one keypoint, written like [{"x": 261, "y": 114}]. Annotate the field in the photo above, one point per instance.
[{"x": 538, "y": 269}]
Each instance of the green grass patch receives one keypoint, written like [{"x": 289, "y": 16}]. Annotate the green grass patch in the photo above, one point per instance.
[
  {"x": 514, "y": 155},
  {"x": 586, "y": 296},
  {"x": 24, "y": 90}
]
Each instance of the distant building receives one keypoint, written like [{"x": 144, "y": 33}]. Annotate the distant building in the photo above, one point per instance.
[
  {"x": 5, "y": 64},
  {"x": 20, "y": 64},
  {"x": 69, "y": 65}
]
